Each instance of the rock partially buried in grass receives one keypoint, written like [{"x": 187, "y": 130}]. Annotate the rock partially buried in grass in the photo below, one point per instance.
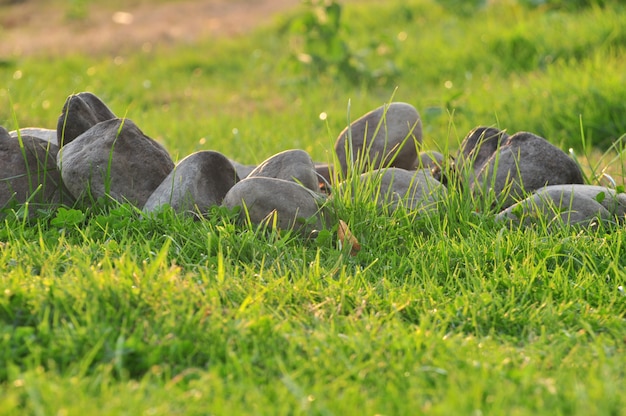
[
  {"x": 114, "y": 158},
  {"x": 387, "y": 136},
  {"x": 477, "y": 148},
  {"x": 428, "y": 160},
  {"x": 80, "y": 112},
  {"x": 567, "y": 204},
  {"x": 47, "y": 135},
  {"x": 392, "y": 187},
  {"x": 294, "y": 206},
  {"x": 291, "y": 165},
  {"x": 198, "y": 182},
  {"x": 524, "y": 163},
  {"x": 28, "y": 172}
]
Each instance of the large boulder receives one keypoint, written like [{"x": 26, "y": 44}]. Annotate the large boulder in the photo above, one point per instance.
[
  {"x": 198, "y": 182},
  {"x": 265, "y": 200},
  {"x": 523, "y": 163},
  {"x": 80, "y": 112},
  {"x": 114, "y": 158},
  {"x": 387, "y": 136},
  {"x": 291, "y": 165},
  {"x": 28, "y": 172},
  {"x": 567, "y": 204}
]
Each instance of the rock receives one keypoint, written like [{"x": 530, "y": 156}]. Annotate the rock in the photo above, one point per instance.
[
  {"x": 477, "y": 148},
  {"x": 80, "y": 112},
  {"x": 114, "y": 158},
  {"x": 47, "y": 135},
  {"x": 242, "y": 170},
  {"x": 386, "y": 136},
  {"x": 23, "y": 171},
  {"x": 570, "y": 204},
  {"x": 323, "y": 172},
  {"x": 524, "y": 163},
  {"x": 295, "y": 206},
  {"x": 198, "y": 182},
  {"x": 291, "y": 165},
  {"x": 428, "y": 160},
  {"x": 392, "y": 187}
]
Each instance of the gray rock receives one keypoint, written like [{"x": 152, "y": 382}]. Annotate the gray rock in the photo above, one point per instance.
[
  {"x": 567, "y": 204},
  {"x": 428, "y": 160},
  {"x": 477, "y": 148},
  {"x": 291, "y": 165},
  {"x": 114, "y": 158},
  {"x": 198, "y": 182},
  {"x": 392, "y": 187},
  {"x": 242, "y": 170},
  {"x": 80, "y": 112},
  {"x": 387, "y": 136},
  {"x": 48, "y": 135},
  {"x": 524, "y": 163},
  {"x": 30, "y": 173},
  {"x": 294, "y": 206}
]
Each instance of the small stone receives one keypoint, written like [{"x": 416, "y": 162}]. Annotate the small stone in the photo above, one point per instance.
[
  {"x": 567, "y": 204},
  {"x": 114, "y": 158},
  {"x": 294, "y": 206},
  {"x": 291, "y": 165},
  {"x": 477, "y": 148},
  {"x": 324, "y": 174},
  {"x": 29, "y": 174},
  {"x": 242, "y": 170},
  {"x": 198, "y": 182},
  {"x": 524, "y": 163},
  {"x": 387, "y": 136},
  {"x": 80, "y": 112},
  {"x": 428, "y": 160},
  {"x": 48, "y": 135},
  {"x": 392, "y": 187}
]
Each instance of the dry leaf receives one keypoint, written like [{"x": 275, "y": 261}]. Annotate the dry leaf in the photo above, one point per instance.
[{"x": 345, "y": 237}]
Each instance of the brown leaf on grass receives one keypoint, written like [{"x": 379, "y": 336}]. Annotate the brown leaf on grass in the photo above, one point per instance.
[{"x": 345, "y": 237}]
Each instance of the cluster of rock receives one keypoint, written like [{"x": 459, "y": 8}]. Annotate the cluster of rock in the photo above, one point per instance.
[{"x": 94, "y": 154}]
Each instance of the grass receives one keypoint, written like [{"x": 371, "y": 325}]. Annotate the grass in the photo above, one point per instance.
[{"x": 105, "y": 312}]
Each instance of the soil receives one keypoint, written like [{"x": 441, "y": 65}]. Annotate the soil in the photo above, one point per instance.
[{"x": 35, "y": 27}]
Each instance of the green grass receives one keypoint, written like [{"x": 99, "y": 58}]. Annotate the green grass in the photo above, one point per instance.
[{"x": 105, "y": 312}]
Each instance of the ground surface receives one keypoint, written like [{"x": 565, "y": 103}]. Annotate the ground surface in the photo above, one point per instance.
[{"x": 30, "y": 27}]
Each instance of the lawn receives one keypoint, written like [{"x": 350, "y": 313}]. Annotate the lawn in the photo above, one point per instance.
[{"x": 105, "y": 311}]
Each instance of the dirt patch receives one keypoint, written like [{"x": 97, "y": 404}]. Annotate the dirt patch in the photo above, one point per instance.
[{"x": 37, "y": 28}]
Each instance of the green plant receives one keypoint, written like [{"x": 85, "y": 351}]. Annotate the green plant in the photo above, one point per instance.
[{"x": 320, "y": 42}]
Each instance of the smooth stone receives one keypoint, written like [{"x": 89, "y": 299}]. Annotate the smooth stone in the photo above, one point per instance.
[
  {"x": 570, "y": 204},
  {"x": 295, "y": 206},
  {"x": 524, "y": 163},
  {"x": 114, "y": 158},
  {"x": 198, "y": 182},
  {"x": 477, "y": 148},
  {"x": 80, "y": 112},
  {"x": 242, "y": 170},
  {"x": 394, "y": 187},
  {"x": 22, "y": 171},
  {"x": 388, "y": 136},
  {"x": 291, "y": 165},
  {"x": 48, "y": 135},
  {"x": 428, "y": 160}
]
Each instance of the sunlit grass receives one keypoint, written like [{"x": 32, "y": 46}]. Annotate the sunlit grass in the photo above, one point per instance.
[{"x": 107, "y": 312}]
